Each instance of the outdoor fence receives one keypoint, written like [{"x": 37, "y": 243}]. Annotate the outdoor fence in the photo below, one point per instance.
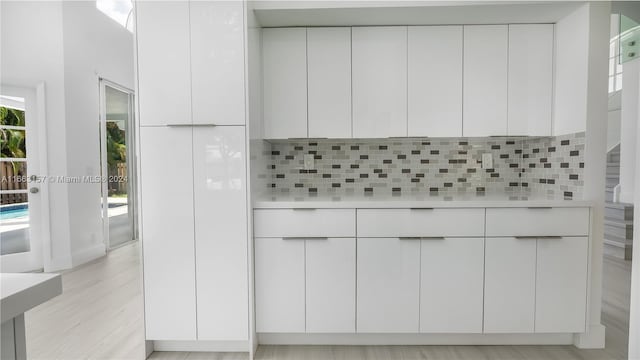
[{"x": 13, "y": 181}]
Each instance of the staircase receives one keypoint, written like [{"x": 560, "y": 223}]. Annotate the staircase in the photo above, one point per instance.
[{"x": 618, "y": 217}]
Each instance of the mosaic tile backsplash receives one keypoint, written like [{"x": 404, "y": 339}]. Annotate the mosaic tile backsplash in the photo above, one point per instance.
[{"x": 547, "y": 165}]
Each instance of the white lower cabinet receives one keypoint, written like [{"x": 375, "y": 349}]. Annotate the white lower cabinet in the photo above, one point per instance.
[
  {"x": 279, "y": 278},
  {"x": 305, "y": 285},
  {"x": 561, "y": 284},
  {"x": 388, "y": 286},
  {"x": 330, "y": 285},
  {"x": 510, "y": 282},
  {"x": 535, "y": 284},
  {"x": 451, "y": 285}
]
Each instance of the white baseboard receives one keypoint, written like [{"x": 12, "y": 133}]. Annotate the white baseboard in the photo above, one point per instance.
[
  {"x": 88, "y": 254},
  {"x": 415, "y": 339},
  {"x": 200, "y": 346},
  {"x": 592, "y": 339}
]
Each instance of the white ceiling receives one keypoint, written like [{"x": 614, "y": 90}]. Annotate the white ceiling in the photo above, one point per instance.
[{"x": 362, "y": 13}]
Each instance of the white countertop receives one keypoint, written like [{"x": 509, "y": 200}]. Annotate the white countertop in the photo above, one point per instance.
[
  {"x": 21, "y": 292},
  {"x": 408, "y": 201}
]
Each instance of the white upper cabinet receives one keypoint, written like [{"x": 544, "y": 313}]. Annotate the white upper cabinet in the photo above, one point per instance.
[
  {"x": 485, "y": 80},
  {"x": 217, "y": 62},
  {"x": 379, "y": 81},
  {"x": 530, "y": 79},
  {"x": 164, "y": 90},
  {"x": 220, "y": 203},
  {"x": 329, "y": 82},
  {"x": 285, "y": 82},
  {"x": 435, "y": 81}
]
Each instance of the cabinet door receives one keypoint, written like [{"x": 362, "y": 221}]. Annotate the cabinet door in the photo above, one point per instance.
[
  {"x": 164, "y": 78},
  {"x": 217, "y": 62},
  {"x": 510, "y": 283},
  {"x": 451, "y": 285},
  {"x": 379, "y": 81},
  {"x": 330, "y": 285},
  {"x": 561, "y": 285},
  {"x": 279, "y": 282},
  {"x": 329, "y": 78},
  {"x": 530, "y": 79},
  {"x": 435, "y": 81},
  {"x": 220, "y": 193},
  {"x": 388, "y": 285},
  {"x": 285, "y": 82},
  {"x": 167, "y": 233},
  {"x": 485, "y": 80}
]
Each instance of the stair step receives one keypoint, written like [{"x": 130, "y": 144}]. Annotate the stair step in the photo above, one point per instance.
[
  {"x": 618, "y": 229},
  {"x": 621, "y": 251},
  {"x": 618, "y": 211}
]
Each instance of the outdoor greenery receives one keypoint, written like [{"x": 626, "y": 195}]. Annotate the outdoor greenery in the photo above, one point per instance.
[
  {"x": 116, "y": 144},
  {"x": 12, "y": 142}
]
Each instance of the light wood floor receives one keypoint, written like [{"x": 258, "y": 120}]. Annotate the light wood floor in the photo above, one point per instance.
[{"x": 99, "y": 316}]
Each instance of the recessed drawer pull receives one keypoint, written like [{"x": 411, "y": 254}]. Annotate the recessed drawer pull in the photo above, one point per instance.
[
  {"x": 191, "y": 125},
  {"x": 304, "y": 209},
  {"x": 410, "y": 238},
  {"x": 432, "y": 238},
  {"x": 304, "y": 238},
  {"x": 526, "y": 237},
  {"x": 421, "y": 208},
  {"x": 550, "y": 237},
  {"x": 539, "y": 207}
]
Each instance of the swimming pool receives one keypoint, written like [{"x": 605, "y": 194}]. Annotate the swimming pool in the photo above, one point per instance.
[{"x": 14, "y": 211}]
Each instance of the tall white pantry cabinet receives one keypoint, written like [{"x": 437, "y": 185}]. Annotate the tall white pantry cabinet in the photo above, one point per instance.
[{"x": 193, "y": 170}]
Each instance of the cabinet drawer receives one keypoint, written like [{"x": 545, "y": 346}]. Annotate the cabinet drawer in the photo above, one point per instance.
[
  {"x": 538, "y": 222},
  {"x": 420, "y": 222},
  {"x": 305, "y": 223}
]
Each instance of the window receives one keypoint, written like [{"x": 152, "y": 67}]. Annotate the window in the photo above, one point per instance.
[{"x": 119, "y": 10}]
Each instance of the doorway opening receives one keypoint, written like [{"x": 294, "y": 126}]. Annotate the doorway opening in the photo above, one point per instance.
[{"x": 118, "y": 169}]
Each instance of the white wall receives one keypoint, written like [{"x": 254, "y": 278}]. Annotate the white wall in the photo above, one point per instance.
[
  {"x": 32, "y": 52},
  {"x": 571, "y": 50},
  {"x": 67, "y": 45},
  {"x": 94, "y": 46},
  {"x": 628, "y": 126},
  {"x": 634, "y": 313}
]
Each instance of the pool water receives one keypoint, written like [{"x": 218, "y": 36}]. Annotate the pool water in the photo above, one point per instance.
[{"x": 14, "y": 212}]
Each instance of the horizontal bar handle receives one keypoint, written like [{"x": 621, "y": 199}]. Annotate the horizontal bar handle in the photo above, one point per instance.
[
  {"x": 191, "y": 125},
  {"x": 305, "y": 238},
  {"x": 539, "y": 207},
  {"x": 550, "y": 237},
  {"x": 421, "y": 238},
  {"x": 526, "y": 237},
  {"x": 304, "y": 209},
  {"x": 421, "y": 208}
]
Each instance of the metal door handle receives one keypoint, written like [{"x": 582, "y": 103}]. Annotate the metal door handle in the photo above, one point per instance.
[{"x": 34, "y": 190}]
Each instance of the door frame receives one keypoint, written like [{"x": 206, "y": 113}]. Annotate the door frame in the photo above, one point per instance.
[
  {"x": 131, "y": 162},
  {"x": 39, "y": 221}
]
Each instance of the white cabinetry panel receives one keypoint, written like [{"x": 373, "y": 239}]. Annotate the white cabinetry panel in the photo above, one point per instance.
[
  {"x": 451, "y": 285},
  {"x": 435, "y": 81},
  {"x": 530, "y": 79},
  {"x": 509, "y": 289},
  {"x": 305, "y": 222},
  {"x": 537, "y": 222},
  {"x": 167, "y": 224},
  {"x": 561, "y": 284},
  {"x": 388, "y": 285},
  {"x": 164, "y": 71},
  {"x": 379, "y": 81},
  {"x": 221, "y": 232},
  {"x": 420, "y": 222},
  {"x": 217, "y": 62},
  {"x": 330, "y": 285},
  {"x": 279, "y": 281},
  {"x": 329, "y": 81},
  {"x": 284, "y": 52},
  {"x": 485, "y": 80}
]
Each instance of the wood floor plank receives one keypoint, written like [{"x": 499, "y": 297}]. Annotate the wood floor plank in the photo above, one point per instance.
[{"x": 99, "y": 316}]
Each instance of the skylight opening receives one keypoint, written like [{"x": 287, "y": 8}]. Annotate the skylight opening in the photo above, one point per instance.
[{"x": 121, "y": 11}]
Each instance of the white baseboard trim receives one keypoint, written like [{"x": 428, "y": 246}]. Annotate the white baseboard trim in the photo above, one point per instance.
[
  {"x": 201, "y": 345},
  {"x": 88, "y": 254},
  {"x": 592, "y": 339},
  {"x": 415, "y": 339}
]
